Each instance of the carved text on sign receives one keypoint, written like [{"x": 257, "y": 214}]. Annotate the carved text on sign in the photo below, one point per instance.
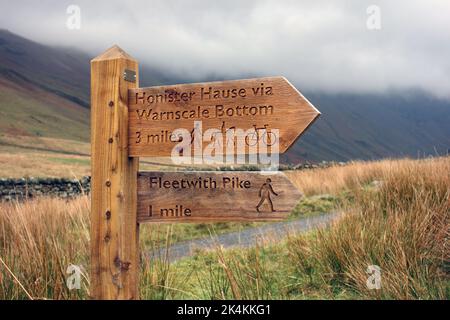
[
  {"x": 214, "y": 196},
  {"x": 246, "y": 109}
]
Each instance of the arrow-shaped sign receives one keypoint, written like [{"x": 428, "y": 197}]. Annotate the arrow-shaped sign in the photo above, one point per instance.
[
  {"x": 261, "y": 110},
  {"x": 214, "y": 196}
]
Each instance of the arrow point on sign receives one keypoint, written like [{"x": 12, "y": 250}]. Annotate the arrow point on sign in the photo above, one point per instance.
[{"x": 305, "y": 113}]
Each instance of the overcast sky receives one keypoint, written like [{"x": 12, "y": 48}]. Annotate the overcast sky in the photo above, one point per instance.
[{"x": 319, "y": 45}]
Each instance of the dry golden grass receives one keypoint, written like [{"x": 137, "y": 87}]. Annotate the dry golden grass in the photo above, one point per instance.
[
  {"x": 39, "y": 239},
  {"x": 400, "y": 224},
  {"x": 41, "y": 164},
  {"x": 403, "y": 226},
  {"x": 23, "y": 156},
  {"x": 18, "y": 163},
  {"x": 335, "y": 179},
  {"x": 45, "y": 144},
  {"x": 30, "y": 156}
]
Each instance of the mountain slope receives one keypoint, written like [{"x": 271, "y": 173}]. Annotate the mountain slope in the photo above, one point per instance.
[
  {"x": 373, "y": 127},
  {"x": 59, "y": 71},
  {"x": 44, "y": 91}
]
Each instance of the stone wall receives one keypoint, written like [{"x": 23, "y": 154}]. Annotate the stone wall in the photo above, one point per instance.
[{"x": 20, "y": 189}]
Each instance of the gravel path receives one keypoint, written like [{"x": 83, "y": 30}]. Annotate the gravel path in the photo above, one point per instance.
[{"x": 246, "y": 238}]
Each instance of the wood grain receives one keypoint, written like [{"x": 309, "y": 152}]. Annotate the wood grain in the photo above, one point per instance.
[
  {"x": 114, "y": 228},
  {"x": 272, "y": 103},
  {"x": 214, "y": 196}
]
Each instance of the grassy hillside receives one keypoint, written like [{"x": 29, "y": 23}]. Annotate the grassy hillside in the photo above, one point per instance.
[
  {"x": 44, "y": 119},
  {"x": 31, "y": 156},
  {"x": 36, "y": 113},
  {"x": 395, "y": 214}
]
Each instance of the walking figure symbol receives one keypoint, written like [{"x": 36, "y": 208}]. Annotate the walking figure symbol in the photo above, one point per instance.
[{"x": 265, "y": 193}]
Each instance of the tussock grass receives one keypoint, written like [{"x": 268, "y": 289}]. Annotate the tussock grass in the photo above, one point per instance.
[
  {"x": 402, "y": 226},
  {"x": 400, "y": 222},
  {"x": 336, "y": 179},
  {"x": 38, "y": 240}
]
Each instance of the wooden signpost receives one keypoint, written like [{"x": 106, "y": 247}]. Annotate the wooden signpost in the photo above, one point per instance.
[{"x": 129, "y": 122}]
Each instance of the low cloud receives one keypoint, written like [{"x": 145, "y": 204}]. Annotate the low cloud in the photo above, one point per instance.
[{"x": 319, "y": 45}]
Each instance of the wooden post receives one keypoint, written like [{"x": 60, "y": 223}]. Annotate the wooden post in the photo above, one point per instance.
[{"x": 114, "y": 227}]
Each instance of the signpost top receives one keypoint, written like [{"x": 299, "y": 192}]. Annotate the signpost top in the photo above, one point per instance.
[{"x": 115, "y": 52}]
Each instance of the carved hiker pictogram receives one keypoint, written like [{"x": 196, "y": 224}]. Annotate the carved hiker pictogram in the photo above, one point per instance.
[{"x": 265, "y": 193}]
